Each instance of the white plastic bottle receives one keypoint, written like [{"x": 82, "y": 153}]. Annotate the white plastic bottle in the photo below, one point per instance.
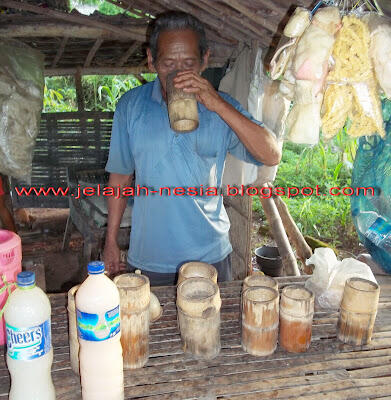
[
  {"x": 29, "y": 344},
  {"x": 98, "y": 326}
]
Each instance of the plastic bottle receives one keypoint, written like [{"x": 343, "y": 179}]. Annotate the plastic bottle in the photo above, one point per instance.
[
  {"x": 98, "y": 325},
  {"x": 375, "y": 228},
  {"x": 375, "y": 232},
  {"x": 29, "y": 344}
]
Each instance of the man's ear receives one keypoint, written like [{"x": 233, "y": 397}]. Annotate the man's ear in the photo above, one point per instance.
[
  {"x": 150, "y": 60},
  {"x": 205, "y": 60}
]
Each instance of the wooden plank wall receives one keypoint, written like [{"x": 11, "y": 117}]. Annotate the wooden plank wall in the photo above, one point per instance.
[
  {"x": 65, "y": 139},
  {"x": 239, "y": 210}
]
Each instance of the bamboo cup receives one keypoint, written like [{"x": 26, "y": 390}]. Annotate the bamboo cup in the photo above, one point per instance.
[
  {"x": 358, "y": 311},
  {"x": 134, "y": 293},
  {"x": 198, "y": 305},
  {"x": 196, "y": 269},
  {"x": 72, "y": 326},
  {"x": 296, "y": 313},
  {"x": 259, "y": 280},
  {"x": 182, "y": 107},
  {"x": 260, "y": 320}
]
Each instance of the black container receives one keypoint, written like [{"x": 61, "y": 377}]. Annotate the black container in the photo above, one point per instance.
[{"x": 269, "y": 260}]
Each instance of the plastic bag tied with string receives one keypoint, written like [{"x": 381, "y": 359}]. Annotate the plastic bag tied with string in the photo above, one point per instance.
[{"x": 21, "y": 94}]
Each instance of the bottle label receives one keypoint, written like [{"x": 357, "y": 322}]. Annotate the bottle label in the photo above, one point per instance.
[
  {"x": 28, "y": 343},
  {"x": 98, "y": 327},
  {"x": 378, "y": 233}
]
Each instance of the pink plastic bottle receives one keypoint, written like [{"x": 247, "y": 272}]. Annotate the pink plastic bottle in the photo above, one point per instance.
[{"x": 10, "y": 266}]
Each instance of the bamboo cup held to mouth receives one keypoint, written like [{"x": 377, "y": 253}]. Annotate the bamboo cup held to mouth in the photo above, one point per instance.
[
  {"x": 73, "y": 338},
  {"x": 134, "y": 290},
  {"x": 197, "y": 269},
  {"x": 198, "y": 305},
  {"x": 296, "y": 313},
  {"x": 260, "y": 320},
  {"x": 358, "y": 311},
  {"x": 182, "y": 107}
]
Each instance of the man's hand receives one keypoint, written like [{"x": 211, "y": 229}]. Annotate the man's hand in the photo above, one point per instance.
[
  {"x": 111, "y": 257},
  {"x": 205, "y": 93}
]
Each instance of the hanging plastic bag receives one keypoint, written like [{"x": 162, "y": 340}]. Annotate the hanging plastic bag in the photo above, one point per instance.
[
  {"x": 295, "y": 27},
  {"x": 380, "y": 49},
  {"x": 309, "y": 68},
  {"x": 352, "y": 88},
  {"x": 267, "y": 104},
  {"x": 330, "y": 274},
  {"x": 372, "y": 169},
  {"x": 21, "y": 94}
]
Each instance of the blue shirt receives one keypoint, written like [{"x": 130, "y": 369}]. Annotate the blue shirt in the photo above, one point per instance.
[{"x": 168, "y": 230}]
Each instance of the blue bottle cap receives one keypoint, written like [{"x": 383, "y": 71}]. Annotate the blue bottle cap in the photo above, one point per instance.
[
  {"x": 26, "y": 278},
  {"x": 96, "y": 267}
]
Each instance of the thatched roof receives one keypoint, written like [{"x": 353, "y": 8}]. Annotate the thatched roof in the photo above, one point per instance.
[{"x": 115, "y": 44}]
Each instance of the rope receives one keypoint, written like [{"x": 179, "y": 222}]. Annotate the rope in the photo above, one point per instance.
[{"x": 7, "y": 286}]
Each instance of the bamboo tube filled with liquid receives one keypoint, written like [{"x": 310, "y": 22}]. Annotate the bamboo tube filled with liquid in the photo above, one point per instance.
[
  {"x": 358, "y": 311},
  {"x": 260, "y": 317},
  {"x": 197, "y": 269},
  {"x": 73, "y": 338},
  {"x": 296, "y": 313},
  {"x": 182, "y": 107},
  {"x": 198, "y": 305},
  {"x": 134, "y": 293}
]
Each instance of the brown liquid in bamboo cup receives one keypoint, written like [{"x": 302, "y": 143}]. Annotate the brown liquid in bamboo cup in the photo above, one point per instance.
[
  {"x": 198, "y": 305},
  {"x": 260, "y": 320},
  {"x": 296, "y": 313},
  {"x": 358, "y": 311},
  {"x": 182, "y": 107},
  {"x": 134, "y": 291},
  {"x": 197, "y": 269}
]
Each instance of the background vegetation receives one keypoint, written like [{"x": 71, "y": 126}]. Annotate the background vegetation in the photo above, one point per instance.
[{"x": 327, "y": 164}]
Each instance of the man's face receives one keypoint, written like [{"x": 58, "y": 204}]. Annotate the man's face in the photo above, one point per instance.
[{"x": 177, "y": 50}]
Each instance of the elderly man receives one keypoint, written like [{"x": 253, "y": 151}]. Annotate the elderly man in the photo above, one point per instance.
[{"x": 168, "y": 230}]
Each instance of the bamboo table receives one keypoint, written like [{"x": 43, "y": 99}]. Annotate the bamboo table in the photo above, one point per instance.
[{"x": 329, "y": 370}]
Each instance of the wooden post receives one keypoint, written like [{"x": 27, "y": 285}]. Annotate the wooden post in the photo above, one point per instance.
[
  {"x": 279, "y": 234},
  {"x": 80, "y": 106}
]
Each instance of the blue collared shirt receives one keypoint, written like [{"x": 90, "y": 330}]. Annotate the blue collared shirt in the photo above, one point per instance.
[{"x": 168, "y": 230}]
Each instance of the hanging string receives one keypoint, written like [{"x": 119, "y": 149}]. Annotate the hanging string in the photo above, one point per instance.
[
  {"x": 347, "y": 6},
  {"x": 7, "y": 286}
]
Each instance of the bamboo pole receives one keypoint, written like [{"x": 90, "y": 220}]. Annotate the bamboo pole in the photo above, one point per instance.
[
  {"x": 72, "y": 30},
  {"x": 78, "y": 19},
  {"x": 206, "y": 18},
  {"x": 60, "y": 51},
  {"x": 131, "y": 50},
  {"x": 263, "y": 21},
  {"x": 303, "y": 251},
  {"x": 92, "y": 52},
  {"x": 287, "y": 257},
  {"x": 228, "y": 18}
]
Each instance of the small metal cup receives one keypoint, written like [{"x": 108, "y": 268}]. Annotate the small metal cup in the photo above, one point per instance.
[{"x": 182, "y": 107}]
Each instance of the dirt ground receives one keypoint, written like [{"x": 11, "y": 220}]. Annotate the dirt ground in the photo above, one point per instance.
[{"x": 42, "y": 233}]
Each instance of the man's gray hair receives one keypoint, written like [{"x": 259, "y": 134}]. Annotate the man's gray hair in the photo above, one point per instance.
[{"x": 175, "y": 21}]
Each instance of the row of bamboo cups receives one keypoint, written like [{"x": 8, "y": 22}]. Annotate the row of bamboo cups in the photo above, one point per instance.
[{"x": 267, "y": 317}]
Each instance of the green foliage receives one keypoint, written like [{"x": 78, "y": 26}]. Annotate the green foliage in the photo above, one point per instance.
[
  {"x": 101, "y": 93},
  {"x": 59, "y": 95},
  {"x": 102, "y": 6},
  {"x": 327, "y": 165}
]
